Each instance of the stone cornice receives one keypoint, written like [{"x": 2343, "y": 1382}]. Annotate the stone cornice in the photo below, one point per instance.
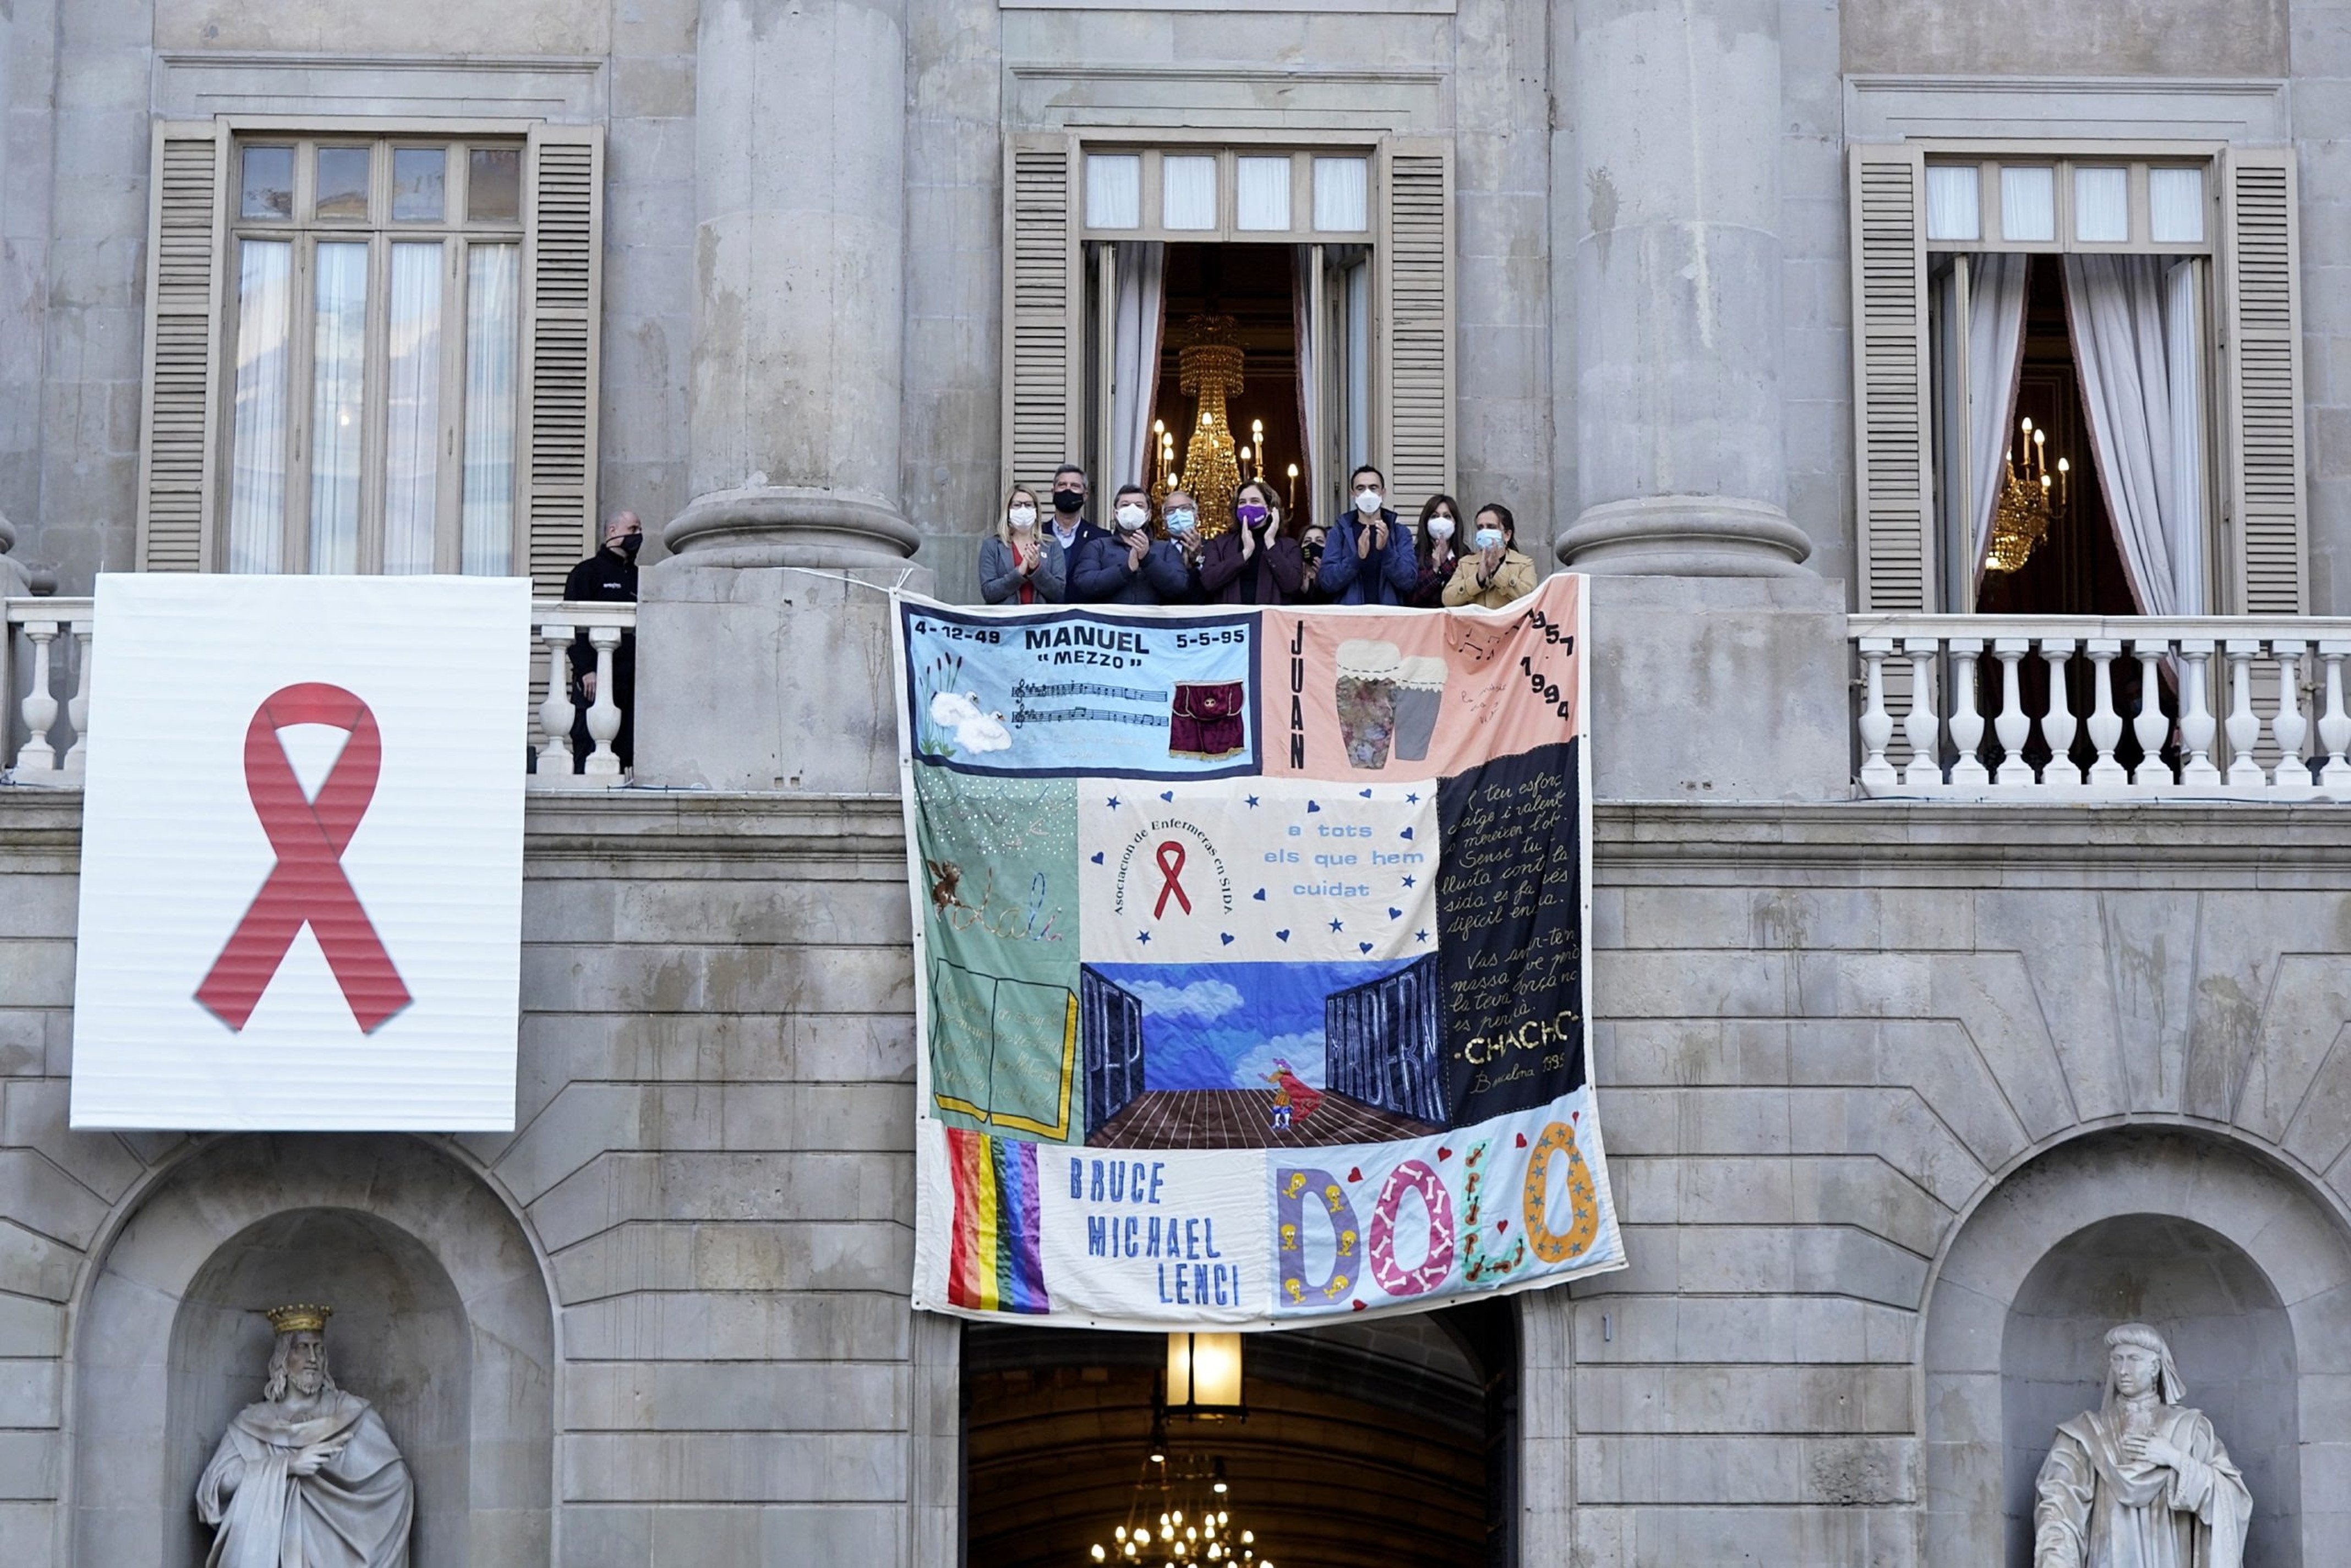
[{"x": 2185, "y": 845}]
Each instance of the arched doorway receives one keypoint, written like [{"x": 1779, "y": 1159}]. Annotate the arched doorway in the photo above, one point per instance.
[
  {"x": 2229, "y": 1255},
  {"x": 1391, "y": 1440},
  {"x": 443, "y": 1320}
]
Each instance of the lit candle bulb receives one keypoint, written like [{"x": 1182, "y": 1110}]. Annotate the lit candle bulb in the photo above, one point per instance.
[{"x": 2065, "y": 468}]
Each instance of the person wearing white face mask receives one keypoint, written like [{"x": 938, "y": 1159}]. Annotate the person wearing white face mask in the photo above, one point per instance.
[
  {"x": 1368, "y": 558},
  {"x": 1019, "y": 563},
  {"x": 1439, "y": 550},
  {"x": 1127, "y": 567},
  {"x": 1497, "y": 574}
]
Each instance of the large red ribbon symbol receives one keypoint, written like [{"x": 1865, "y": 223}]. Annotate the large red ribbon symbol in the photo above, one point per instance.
[
  {"x": 307, "y": 885},
  {"x": 1170, "y": 857}
]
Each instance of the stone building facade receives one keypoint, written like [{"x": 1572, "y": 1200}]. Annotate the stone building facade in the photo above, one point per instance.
[{"x": 1902, "y": 1092}]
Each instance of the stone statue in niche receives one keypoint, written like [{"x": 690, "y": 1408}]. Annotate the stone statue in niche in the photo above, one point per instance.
[
  {"x": 308, "y": 1477},
  {"x": 2142, "y": 1482}
]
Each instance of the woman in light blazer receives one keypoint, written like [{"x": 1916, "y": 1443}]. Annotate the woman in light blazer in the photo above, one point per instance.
[{"x": 1020, "y": 563}]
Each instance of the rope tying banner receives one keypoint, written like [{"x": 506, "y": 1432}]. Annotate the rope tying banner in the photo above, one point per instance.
[{"x": 307, "y": 885}]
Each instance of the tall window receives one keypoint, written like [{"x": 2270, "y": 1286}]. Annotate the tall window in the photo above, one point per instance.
[
  {"x": 2139, "y": 303},
  {"x": 376, "y": 287},
  {"x": 1271, "y": 245},
  {"x": 1326, "y": 259},
  {"x": 2069, "y": 334}
]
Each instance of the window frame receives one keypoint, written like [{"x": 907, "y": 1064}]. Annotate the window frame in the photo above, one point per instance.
[
  {"x": 2064, "y": 160},
  {"x": 1228, "y": 147},
  {"x": 457, "y": 233},
  {"x": 1334, "y": 391},
  {"x": 2259, "y": 453}
]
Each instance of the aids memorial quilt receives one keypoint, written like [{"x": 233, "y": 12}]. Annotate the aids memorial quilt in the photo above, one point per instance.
[{"x": 1251, "y": 959}]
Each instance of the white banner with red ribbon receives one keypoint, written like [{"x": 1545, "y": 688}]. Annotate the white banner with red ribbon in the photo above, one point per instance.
[{"x": 301, "y": 886}]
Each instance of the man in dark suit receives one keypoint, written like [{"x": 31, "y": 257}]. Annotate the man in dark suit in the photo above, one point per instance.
[{"x": 608, "y": 576}]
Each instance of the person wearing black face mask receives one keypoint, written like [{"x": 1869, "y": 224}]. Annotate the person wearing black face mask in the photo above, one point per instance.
[
  {"x": 1070, "y": 527},
  {"x": 608, "y": 576},
  {"x": 1252, "y": 563}
]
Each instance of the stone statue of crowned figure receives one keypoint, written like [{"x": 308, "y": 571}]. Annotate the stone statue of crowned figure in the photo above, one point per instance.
[
  {"x": 307, "y": 1478},
  {"x": 2143, "y": 1482}
]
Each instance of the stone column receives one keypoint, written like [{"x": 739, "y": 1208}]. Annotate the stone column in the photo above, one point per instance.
[
  {"x": 799, "y": 265},
  {"x": 1677, "y": 290},
  {"x": 1726, "y": 673},
  {"x": 763, "y": 646}
]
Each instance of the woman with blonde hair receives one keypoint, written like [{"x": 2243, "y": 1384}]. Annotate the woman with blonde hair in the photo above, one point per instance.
[{"x": 1019, "y": 563}]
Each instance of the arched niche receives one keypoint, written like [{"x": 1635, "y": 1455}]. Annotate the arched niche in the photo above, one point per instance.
[
  {"x": 442, "y": 1320},
  {"x": 2231, "y": 1254},
  {"x": 2218, "y": 1313}
]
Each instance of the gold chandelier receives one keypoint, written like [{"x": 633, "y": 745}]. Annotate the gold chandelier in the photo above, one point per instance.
[
  {"x": 1191, "y": 1527},
  {"x": 2031, "y": 499},
  {"x": 1209, "y": 369}
]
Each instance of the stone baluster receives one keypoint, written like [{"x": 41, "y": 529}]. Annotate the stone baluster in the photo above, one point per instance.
[
  {"x": 2057, "y": 725},
  {"x": 2244, "y": 725},
  {"x": 1918, "y": 726},
  {"x": 555, "y": 709},
  {"x": 78, "y": 706},
  {"x": 40, "y": 705},
  {"x": 1966, "y": 725},
  {"x": 2287, "y": 723},
  {"x": 2196, "y": 721},
  {"x": 2335, "y": 724},
  {"x": 2012, "y": 726},
  {"x": 2105, "y": 723},
  {"x": 1876, "y": 724},
  {"x": 603, "y": 713},
  {"x": 2151, "y": 726}
]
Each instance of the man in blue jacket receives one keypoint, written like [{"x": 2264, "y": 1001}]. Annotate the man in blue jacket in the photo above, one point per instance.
[
  {"x": 1368, "y": 557},
  {"x": 1126, "y": 568}
]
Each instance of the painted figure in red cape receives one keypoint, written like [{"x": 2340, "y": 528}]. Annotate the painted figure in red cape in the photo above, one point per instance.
[
  {"x": 1294, "y": 1098},
  {"x": 308, "y": 1477},
  {"x": 2143, "y": 1482}
]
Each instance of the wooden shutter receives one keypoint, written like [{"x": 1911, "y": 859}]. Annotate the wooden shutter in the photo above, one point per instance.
[
  {"x": 2261, "y": 337},
  {"x": 1415, "y": 302},
  {"x": 1894, "y": 477},
  {"x": 1044, "y": 381},
  {"x": 563, "y": 268},
  {"x": 178, "y": 400}
]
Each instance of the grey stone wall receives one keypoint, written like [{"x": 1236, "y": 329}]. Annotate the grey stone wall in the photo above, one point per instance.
[{"x": 1828, "y": 1038}]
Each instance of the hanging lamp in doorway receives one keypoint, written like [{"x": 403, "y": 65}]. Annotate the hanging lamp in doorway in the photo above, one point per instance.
[{"x": 1209, "y": 370}]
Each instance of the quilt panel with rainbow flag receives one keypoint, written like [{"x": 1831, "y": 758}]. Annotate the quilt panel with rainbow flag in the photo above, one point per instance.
[{"x": 1252, "y": 967}]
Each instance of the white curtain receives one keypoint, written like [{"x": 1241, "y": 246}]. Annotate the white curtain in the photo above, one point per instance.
[
  {"x": 1995, "y": 358},
  {"x": 338, "y": 405},
  {"x": 493, "y": 274},
  {"x": 256, "y": 492},
  {"x": 2136, "y": 338},
  {"x": 1303, "y": 260},
  {"x": 412, "y": 470},
  {"x": 1141, "y": 273}
]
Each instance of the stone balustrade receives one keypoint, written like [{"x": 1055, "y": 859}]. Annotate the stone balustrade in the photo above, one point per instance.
[
  {"x": 48, "y": 641},
  {"x": 1990, "y": 707}
]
